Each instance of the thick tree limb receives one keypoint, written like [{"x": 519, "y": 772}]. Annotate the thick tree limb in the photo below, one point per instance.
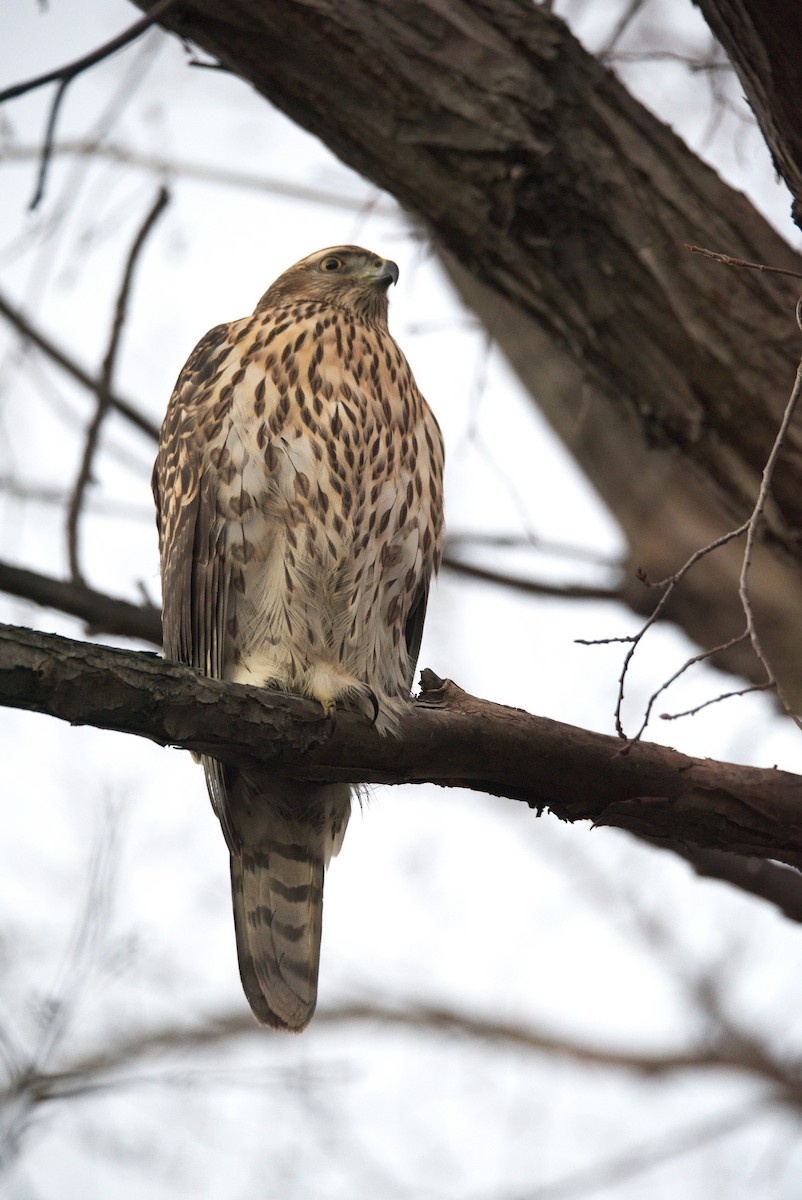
[
  {"x": 770, "y": 881},
  {"x": 762, "y": 40},
  {"x": 448, "y": 738},
  {"x": 562, "y": 207}
]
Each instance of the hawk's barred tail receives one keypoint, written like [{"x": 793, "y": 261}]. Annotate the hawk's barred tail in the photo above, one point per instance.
[
  {"x": 278, "y": 915},
  {"x": 284, "y": 833}
]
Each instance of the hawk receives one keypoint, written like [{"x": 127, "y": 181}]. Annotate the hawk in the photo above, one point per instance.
[{"x": 299, "y": 501}]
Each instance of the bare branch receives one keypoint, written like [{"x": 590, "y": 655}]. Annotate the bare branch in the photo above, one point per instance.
[
  {"x": 102, "y": 613},
  {"x": 781, "y": 886},
  {"x": 415, "y": 1018},
  {"x": 64, "y": 76},
  {"x": 754, "y": 524},
  {"x": 631, "y": 1163},
  {"x": 668, "y": 585},
  {"x": 728, "y": 261},
  {"x": 619, "y": 29},
  {"x": 751, "y": 527},
  {"x": 106, "y": 378},
  {"x": 697, "y": 708},
  {"x": 28, "y": 331},
  {"x": 127, "y": 156},
  {"x": 448, "y": 738},
  {"x": 528, "y": 541},
  {"x": 533, "y": 587}
]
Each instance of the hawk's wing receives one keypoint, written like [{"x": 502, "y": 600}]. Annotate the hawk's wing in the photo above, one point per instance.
[
  {"x": 196, "y": 574},
  {"x": 413, "y": 630}
]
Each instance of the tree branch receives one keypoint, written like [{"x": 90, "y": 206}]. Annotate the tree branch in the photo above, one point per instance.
[
  {"x": 449, "y": 738},
  {"x": 106, "y": 377},
  {"x": 102, "y": 613},
  {"x": 533, "y": 587},
  {"x": 174, "y": 167},
  {"x": 561, "y": 206},
  {"x": 106, "y": 1067},
  {"x": 761, "y": 38},
  {"x": 31, "y": 334},
  {"x": 65, "y": 75}
]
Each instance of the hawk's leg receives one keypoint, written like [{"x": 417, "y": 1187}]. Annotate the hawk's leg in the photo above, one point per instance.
[{"x": 330, "y": 709}]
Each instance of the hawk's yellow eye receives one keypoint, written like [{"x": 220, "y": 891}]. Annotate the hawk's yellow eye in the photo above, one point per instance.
[{"x": 331, "y": 264}]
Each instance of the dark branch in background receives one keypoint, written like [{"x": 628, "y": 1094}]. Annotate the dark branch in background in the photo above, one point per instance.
[
  {"x": 58, "y": 1009},
  {"x": 103, "y": 614},
  {"x": 619, "y": 29},
  {"x": 29, "y": 332},
  {"x": 163, "y": 1057},
  {"x": 533, "y": 587},
  {"x": 173, "y": 167},
  {"x": 770, "y": 881},
  {"x": 528, "y": 541},
  {"x": 448, "y": 738},
  {"x": 106, "y": 380},
  {"x": 64, "y": 77},
  {"x": 106, "y": 1066}
]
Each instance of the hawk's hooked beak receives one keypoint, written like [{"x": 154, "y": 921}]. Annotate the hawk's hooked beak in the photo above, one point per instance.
[{"x": 384, "y": 272}]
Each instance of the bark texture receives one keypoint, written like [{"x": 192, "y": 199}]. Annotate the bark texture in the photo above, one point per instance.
[
  {"x": 449, "y": 738},
  {"x": 762, "y": 39},
  {"x": 562, "y": 206}
]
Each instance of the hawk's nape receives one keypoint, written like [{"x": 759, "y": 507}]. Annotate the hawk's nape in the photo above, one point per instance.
[{"x": 298, "y": 490}]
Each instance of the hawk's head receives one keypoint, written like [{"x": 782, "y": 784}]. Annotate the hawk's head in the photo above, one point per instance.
[{"x": 345, "y": 276}]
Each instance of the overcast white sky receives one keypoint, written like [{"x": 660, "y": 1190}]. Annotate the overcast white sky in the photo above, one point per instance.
[{"x": 437, "y": 896}]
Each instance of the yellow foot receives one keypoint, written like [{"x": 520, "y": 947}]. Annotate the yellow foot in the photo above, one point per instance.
[{"x": 330, "y": 713}]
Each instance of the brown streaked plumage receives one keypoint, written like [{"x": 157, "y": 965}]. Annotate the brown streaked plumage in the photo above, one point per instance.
[{"x": 298, "y": 490}]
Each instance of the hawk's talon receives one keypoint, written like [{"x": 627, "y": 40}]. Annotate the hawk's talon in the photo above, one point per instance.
[
  {"x": 329, "y": 714},
  {"x": 371, "y": 695}
]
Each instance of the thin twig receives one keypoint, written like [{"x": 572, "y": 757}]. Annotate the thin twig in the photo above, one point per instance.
[
  {"x": 30, "y": 333},
  {"x": 631, "y": 1163},
  {"x": 622, "y": 24},
  {"x": 172, "y": 167},
  {"x": 702, "y": 656},
  {"x": 73, "y": 69},
  {"x": 107, "y": 372},
  {"x": 728, "y": 261},
  {"x": 66, "y": 74},
  {"x": 754, "y": 524},
  {"x": 534, "y": 587},
  {"x": 531, "y": 541},
  {"x": 59, "y": 1007},
  {"x": 750, "y": 528},
  {"x": 691, "y": 712},
  {"x": 668, "y": 585}
]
